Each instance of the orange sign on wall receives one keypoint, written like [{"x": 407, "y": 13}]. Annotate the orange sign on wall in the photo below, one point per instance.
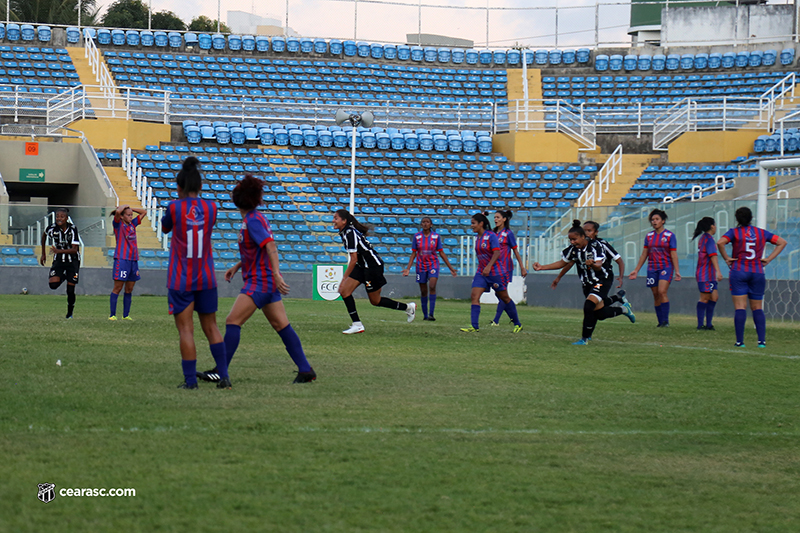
[{"x": 31, "y": 148}]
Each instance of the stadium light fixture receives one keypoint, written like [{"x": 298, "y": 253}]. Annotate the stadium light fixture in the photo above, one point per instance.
[{"x": 355, "y": 119}]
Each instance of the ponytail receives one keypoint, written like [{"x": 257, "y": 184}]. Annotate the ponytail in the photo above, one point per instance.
[
  {"x": 703, "y": 225},
  {"x": 344, "y": 214},
  {"x": 481, "y": 218}
]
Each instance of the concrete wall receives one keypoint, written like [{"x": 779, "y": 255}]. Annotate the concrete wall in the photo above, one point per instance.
[
  {"x": 535, "y": 146},
  {"x": 683, "y": 294},
  {"x": 700, "y": 25},
  {"x": 107, "y": 134},
  {"x": 695, "y": 146}
]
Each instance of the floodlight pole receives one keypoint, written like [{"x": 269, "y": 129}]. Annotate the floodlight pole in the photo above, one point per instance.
[
  {"x": 353, "y": 166},
  {"x": 149, "y": 15}
]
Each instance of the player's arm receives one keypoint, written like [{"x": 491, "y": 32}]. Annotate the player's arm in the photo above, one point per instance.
[
  {"x": 117, "y": 213},
  {"x": 232, "y": 271},
  {"x": 166, "y": 221},
  {"x": 407, "y": 269},
  {"x": 724, "y": 240},
  {"x": 495, "y": 256},
  {"x": 522, "y": 269},
  {"x": 639, "y": 264},
  {"x": 673, "y": 255},
  {"x": 561, "y": 274},
  {"x": 274, "y": 263},
  {"x": 447, "y": 262},
  {"x": 780, "y": 244},
  {"x": 43, "y": 257},
  {"x": 142, "y": 212},
  {"x": 554, "y": 266},
  {"x": 715, "y": 262}
]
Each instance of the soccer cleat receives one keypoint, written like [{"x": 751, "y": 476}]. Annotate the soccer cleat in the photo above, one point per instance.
[
  {"x": 69, "y": 317},
  {"x": 663, "y": 325},
  {"x": 356, "y": 327},
  {"x": 224, "y": 383},
  {"x": 622, "y": 298},
  {"x": 212, "y": 376},
  {"x": 185, "y": 385},
  {"x": 493, "y": 324},
  {"x": 762, "y": 344},
  {"x": 739, "y": 345},
  {"x": 469, "y": 330},
  {"x": 305, "y": 377},
  {"x": 111, "y": 318},
  {"x": 517, "y": 329},
  {"x": 627, "y": 310},
  {"x": 429, "y": 319},
  {"x": 583, "y": 342},
  {"x": 710, "y": 328},
  {"x": 127, "y": 318},
  {"x": 411, "y": 311}
]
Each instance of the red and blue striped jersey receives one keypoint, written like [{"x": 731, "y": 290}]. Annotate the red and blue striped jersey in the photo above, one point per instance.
[
  {"x": 191, "y": 263},
  {"x": 427, "y": 248},
  {"x": 748, "y": 247},
  {"x": 127, "y": 247},
  {"x": 507, "y": 242},
  {"x": 485, "y": 246},
  {"x": 706, "y": 249},
  {"x": 659, "y": 246},
  {"x": 253, "y": 237}
]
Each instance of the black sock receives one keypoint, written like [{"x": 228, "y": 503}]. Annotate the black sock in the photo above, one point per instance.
[
  {"x": 589, "y": 319},
  {"x": 70, "y": 299},
  {"x": 388, "y": 303},
  {"x": 608, "y": 312},
  {"x": 350, "y": 303}
]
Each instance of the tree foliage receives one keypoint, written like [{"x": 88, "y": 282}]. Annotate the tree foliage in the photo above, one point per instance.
[
  {"x": 56, "y": 12},
  {"x": 204, "y": 24},
  {"x": 126, "y": 14},
  {"x": 167, "y": 20}
]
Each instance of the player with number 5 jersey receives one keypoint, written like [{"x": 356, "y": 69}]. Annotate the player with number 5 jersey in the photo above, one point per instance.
[
  {"x": 191, "y": 281},
  {"x": 747, "y": 278}
]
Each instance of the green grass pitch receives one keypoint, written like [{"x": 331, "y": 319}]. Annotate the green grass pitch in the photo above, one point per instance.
[{"x": 409, "y": 427}]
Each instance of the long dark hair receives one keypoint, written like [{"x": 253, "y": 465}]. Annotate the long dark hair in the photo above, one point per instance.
[
  {"x": 658, "y": 212},
  {"x": 744, "y": 216},
  {"x": 248, "y": 193},
  {"x": 480, "y": 217},
  {"x": 577, "y": 228},
  {"x": 189, "y": 179},
  {"x": 344, "y": 214},
  {"x": 703, "y": 225},
  {"x": 507, "y": 215},
  {"x": 594, "y": 224}
]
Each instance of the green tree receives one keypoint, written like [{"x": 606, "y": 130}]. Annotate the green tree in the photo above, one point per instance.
[
  {"x": 126, "y": 14},
  {"x": 167, "y": 20},
  {"x": 204, "y": 24},
  {"x": 62, "y": 12}
]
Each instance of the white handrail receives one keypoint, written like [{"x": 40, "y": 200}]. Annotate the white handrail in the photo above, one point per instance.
[
  {"x": 144, "y": 192},
  {"x": 593, "y": 194}
]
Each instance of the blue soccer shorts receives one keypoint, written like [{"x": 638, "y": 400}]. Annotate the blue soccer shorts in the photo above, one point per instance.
[
  {"x": 654, "y": 276},
  {"x": 126, "y": 270},
  {"x": 205, "y": 301},
  {"x": 752, "y": 284}
]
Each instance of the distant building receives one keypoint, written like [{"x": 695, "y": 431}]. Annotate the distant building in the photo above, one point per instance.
[
  {"x": 429, "y": 39},
  {"x": 245, "y": 23}
]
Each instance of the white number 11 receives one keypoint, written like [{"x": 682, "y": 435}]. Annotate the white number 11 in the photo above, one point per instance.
[{"x": 190, "y": 252}]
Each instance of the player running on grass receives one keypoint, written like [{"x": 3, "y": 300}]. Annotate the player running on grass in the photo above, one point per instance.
[
  {"x": 589, "y": 256},
  {"x": 424, "y": 247},
  {"x": 708, "y": 273},
  {"x": 747, "y": 271},
  {"x": 191, "y": 281},
  {"x": 126, "y": 257},
  {"x": 66, "y": 255},
  {"x": 263, "y": 283},
  {"x": 490, "y": 274},
  {"x": 365, "y": 267},
  {"x": 660, "y": 251},
  {"x": 508, "y": 244}
]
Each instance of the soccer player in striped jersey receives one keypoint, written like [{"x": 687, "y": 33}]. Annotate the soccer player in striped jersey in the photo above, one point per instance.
[
  {"x": 491, "y": 274},
  {"x": 126, "y": 257},
  {"x": 263, "y": 283},
  {"x": 508, "y": 244},
  {"x": 424, "y": 247},
  {"x": 66, "y": 255},
  {"x": 660, "y": 251},
  {"x": 365, "y": 266},
  {"x": 747, "y": 271},
  {"x": 191, "y": 281},
  {"x": 589, "y": 256},
  {"x": 708, "y": 273}
]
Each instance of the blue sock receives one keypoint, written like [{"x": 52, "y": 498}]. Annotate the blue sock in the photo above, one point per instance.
[
  {"x": 501, "y": 306},
  {"x": 424, "y": 306},
  {"x": 701, "y": 313},
  {"x": 232, "y": 333},
  {"x": 433, "y": 303},
  {"x": 295, "y": 349},
  {"x": 739, "y": 319},
  {"x": 511, "y": 311},
  {"x": 665, "y": 312},
  {"x": 658, "y": 314},
  {"x": 475, "y": 313},
  {"x": 218, "y": 352},
  {"x": 710, "y": 313},
  {"x": 114, "y": 304},
  {"x": 126, "y": 304},
  {"x": 189, "y": 371},
  {"x": 761, "y": 324}
]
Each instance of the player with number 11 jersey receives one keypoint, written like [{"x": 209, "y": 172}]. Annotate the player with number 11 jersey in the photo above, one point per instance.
[{"x": 191, "y": 263}]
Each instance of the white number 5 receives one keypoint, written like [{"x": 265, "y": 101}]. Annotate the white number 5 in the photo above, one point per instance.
[{"x": 749, "y": 247}]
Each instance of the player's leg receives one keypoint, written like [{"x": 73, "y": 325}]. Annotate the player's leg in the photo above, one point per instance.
[
  {"x": 475, "y": 308},
  {"x": 276, "y": 315},
  {"x": 663, "y": 288},
  {"x": 758, "y": 285},
  {"x": 510, "y": 308},
  {"x": 243, "y": 308},
  {"x": 702, "y": 304},
  {"x": 603, "y": 310},
  {"x": 127, "y": 299},
  {"x": 589, "y": 318},
  {"x": 346, "y": 288},
  {"x": 432, "y": 283},
  {"x": 422, "y": 279},
  {"x": 185, "y": 324},
  {"x": 205, "y": 303},
  {"x": 652, "y": 284},
  {"x": 118, "y": 285},
  {"x": 377, "y": 300},
  {"x": 70, "y": 298},
  {"x": 374, "y": 282},
  {"x": 710, "y": 305},
  {"x": 739, "y": 317}
]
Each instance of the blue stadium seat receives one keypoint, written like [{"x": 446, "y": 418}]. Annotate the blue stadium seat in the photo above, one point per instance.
[
  {"x": 161, "y": 39},
  {"x": 630, "y": 62},
  {"x": 659, "y": 62},
  {"x": 471, "y": 57},
  {"x": 147, "y": 38},
  {"x": 600, "y": 62},
  {"x": 132, "y": 38},
  {"x": 117, "y": 37},
  {"x": 673, "y": 61},
  {"x": 262, "y": 43},
  {"x": 73, "y": 35},
  {"x": 614, "y": 62},
  {"x": 787, "y": 56},
  {"x": 687, "y": 61},
  {"x": 278, "y": 44},
  {"x": 714, "y": 60},
  {"x": 44, "y": 33},
  {"x": 336, "y": 47},
  {"x": 175, "y": 39},
  {"x": 583, "y": 55},
  {"x": 27, "y": 32},
  {"x": 389, "y": 51},
  {"x": 234, "y": 42},
  {"x": 13, "y": 33},
  {"x": 700, "y": 61}
]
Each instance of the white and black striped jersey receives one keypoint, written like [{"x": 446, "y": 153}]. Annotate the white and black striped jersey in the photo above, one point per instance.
[
  {"x": 64, "y": 240},
  {"x": 611, "y": 256},
  {"x": 355, "y": 242},
  {"x": 588, "y": 275}
]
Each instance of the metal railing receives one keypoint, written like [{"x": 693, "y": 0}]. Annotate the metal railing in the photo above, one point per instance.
[
  {"x": 548, "y": 115},
  {"x": 144, "y": 192},
  {"x": 38, "y": 130},
  {"x": 612, "y": 168},
  {"x": 102, "y": 75},
  {"x": 720, "y": 184}
]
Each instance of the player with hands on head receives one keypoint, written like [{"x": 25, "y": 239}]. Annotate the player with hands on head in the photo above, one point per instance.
[
  {"x": 746, "y": 276},
  {"x": 263, "y": 283},
  {"x": 126, "y": 257},
  {"x": 424, "y": 247}
]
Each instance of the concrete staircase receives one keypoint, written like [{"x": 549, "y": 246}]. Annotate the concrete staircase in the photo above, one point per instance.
[
  {"x": 101, "y": 105},
  {"x": 145, "y": 236},
  {"x": 632, "y": 167},
  {"x": 515, "y": 92}
]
